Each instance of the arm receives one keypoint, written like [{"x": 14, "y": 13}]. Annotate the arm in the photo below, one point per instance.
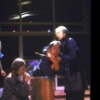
[
  {"x": 3, "y": 73},
  {"x": 46, "y": 66},
  {"x": 72, "y": 45},
  {"x": 16, "y": 87},
  {"x": 59, "y": 65},
  {"x": 61, "y": 70},
  {"x": 1, "y": 55},
  {"x": 71, "y": 57},
  {"x": 55, "y": 61}
]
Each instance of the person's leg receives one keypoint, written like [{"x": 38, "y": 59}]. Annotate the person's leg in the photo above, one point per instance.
[
  {"x": 75, "y": 95},
  {"x": 1, "y": 81},
  {"x": 80, "y": 95},
  {"x": 69, "y": 95}
]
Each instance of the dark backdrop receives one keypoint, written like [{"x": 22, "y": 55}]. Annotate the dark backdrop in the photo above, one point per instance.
[{"x": 31, "y": 44}]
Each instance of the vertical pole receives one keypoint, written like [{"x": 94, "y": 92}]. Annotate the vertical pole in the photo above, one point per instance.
[
  {"x": 53, "y": 11},
  {"x": 20, "y": 37},
  {"x": 84, "y": 16}
]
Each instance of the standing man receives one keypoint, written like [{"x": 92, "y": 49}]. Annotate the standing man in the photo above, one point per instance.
[
  {"x": 73, "y": 82},
  {"x": 3, "y": 73}
]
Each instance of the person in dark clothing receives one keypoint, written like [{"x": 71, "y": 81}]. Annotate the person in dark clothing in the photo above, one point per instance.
[
  {"x": 47, "y": 59},
  {"x": 73, "y": 83},
  {"x": 51, "y": 64},
  {"x": 38, "y": 71},
  {"x": 16, "y": 86}
]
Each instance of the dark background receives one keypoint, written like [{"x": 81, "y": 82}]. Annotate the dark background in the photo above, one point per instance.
[{"x": 66, "y": 11}]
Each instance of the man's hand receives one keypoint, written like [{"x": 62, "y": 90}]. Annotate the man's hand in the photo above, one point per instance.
[
  {"x": 56, "y": 60},
  {"x": 27, "y": 77}
]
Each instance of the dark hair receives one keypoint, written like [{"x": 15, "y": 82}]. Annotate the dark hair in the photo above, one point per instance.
[{"x": 16, "y": 64}]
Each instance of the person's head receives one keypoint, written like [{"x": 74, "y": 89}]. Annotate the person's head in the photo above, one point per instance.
[
  {"x": 18, "y": 66},
  {"x": 61, "y": 32},
  {"x": 54, "y": 47}
]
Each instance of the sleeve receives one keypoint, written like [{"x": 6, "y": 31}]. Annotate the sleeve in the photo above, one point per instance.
[
  {"x": 17, "y": 88},
  {"x": 72, "y": 46},
  {"x": 45, "y": 64}
]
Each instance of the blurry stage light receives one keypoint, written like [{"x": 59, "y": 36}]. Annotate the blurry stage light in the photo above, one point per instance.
[
  {"x": 48, "y": 30},
  {"x": 30, "y": 21},
  {"x": 14, "y": 30},
  {"x": 23, "y": 15},
  {"x": 25, "y": 3},
  {"x": 28, "y": 30}
]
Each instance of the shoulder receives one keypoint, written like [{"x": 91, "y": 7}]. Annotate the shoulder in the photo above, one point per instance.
[
  {"x": 8, "y": 78},
  {"x": 71, "y": 41},
  {"x": 44, "y": 59}
]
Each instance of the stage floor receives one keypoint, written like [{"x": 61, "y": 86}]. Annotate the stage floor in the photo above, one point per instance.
[{"x": 60, "y": 95}]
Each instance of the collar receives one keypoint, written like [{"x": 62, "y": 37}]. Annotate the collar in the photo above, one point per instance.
[{"x": 63, "y": 41}]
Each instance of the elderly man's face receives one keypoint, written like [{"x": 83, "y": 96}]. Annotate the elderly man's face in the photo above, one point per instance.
[{"x": 59, "y": 35}]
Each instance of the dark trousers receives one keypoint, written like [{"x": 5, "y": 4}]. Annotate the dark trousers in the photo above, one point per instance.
[
  {"x": 75, "y": 95},
  {"x": 1, "y": 80}
]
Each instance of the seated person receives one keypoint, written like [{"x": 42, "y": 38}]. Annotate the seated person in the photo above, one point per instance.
[
  {"x": 51, "y": 64},
  {"x": 16, "y": 86}
]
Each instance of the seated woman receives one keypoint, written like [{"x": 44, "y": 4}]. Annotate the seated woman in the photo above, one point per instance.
[
  {"x": 51, "y": 64},
  {"x": 16, "y": 87}
]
